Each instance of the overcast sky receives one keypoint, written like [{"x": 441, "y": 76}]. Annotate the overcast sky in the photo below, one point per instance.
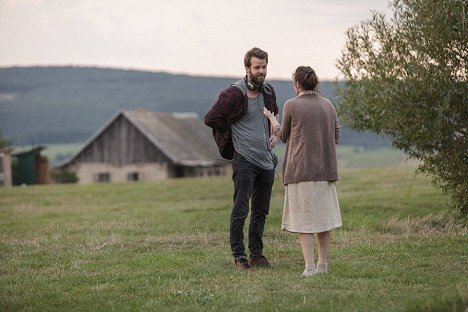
[{"x": 206, "y": 37}]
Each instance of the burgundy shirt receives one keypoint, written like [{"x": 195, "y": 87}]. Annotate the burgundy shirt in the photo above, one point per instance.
[{"x": 231, "y": 106}]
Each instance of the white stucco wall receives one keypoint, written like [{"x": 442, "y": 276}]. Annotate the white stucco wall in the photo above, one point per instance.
[
  {"x": 88, "y": 172},
  {"x": 5, "y": 174}
]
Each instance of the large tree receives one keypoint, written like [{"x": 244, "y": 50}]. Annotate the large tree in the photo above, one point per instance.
[{"x": 407, "y": 78}]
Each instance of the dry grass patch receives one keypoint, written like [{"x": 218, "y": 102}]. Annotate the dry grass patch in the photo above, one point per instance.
[{"x": 433, "y": 224}]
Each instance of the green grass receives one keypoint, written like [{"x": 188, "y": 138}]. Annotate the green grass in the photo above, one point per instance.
[
  {"x": 358, "y": 157},
  {"x": 353, "y": 157},
  {"x": 164, "y": 247},
  {"x": 349, "y": 156}
]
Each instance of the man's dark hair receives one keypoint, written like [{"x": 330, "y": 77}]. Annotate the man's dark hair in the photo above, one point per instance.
[{"x": 255, "y": 52}]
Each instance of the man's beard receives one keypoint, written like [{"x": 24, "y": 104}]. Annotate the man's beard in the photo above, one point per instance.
[{"x": 258, "y": 78}]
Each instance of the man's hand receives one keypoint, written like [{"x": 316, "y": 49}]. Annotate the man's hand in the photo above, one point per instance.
[{"x": 272, "y": 141}]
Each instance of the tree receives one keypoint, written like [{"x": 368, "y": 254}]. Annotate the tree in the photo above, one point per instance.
[{"x": 407, "y": 78}]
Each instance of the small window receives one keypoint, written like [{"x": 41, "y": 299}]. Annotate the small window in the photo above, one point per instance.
[
  {"x": 103, "y": 177},
  {"x": 133, "y": 176}
]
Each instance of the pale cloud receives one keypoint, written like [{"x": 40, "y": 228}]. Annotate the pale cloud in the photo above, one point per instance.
[{"x": 197, "y": 37}]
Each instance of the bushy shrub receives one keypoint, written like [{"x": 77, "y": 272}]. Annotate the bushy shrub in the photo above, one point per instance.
[
  {"x": 63, "y": 176},
  {"x": 407, "y": 78}
]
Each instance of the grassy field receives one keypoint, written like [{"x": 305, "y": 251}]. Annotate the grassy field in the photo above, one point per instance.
[{"x": 164, "y": 247}]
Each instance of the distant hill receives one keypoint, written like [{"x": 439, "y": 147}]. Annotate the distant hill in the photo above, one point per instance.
[{"x": 41, "y": 105}]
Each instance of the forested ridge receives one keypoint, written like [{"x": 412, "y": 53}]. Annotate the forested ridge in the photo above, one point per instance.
[{"x": 41, "y": 105}]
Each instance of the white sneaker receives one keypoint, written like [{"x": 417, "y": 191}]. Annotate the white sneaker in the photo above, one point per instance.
[
  {"x": 309, "y": 271},
  {"x": 322, "y": 268}
]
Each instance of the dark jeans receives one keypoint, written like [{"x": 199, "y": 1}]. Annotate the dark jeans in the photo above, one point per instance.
[{"x": 250, "y": 183}]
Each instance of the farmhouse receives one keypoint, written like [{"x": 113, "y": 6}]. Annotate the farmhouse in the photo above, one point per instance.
[{"x": 147, "y": 146}]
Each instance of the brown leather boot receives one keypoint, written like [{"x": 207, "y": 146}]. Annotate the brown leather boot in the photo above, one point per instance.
[
  {"x": 243, "y": 264},
  {"x": 259, "y": 261}
]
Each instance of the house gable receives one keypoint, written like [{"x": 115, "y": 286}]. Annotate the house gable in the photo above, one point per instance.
[{"x": 120, "y": 143}]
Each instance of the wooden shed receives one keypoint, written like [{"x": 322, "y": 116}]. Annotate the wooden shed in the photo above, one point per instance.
[
  {"x": 31, "y": 167},
  {"x": 146, "y": 146}
]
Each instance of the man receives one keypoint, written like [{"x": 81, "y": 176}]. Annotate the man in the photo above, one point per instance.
[{"x": 243, "y": 134}]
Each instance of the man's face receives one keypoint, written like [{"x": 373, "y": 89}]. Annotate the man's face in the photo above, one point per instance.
[{"x": 257, "y": 70}]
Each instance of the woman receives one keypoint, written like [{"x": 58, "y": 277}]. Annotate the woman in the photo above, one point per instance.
[{"x": 310, "y": 130}]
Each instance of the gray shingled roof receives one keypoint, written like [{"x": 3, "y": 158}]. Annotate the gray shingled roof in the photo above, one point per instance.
[{"x": 182, "y": 137}]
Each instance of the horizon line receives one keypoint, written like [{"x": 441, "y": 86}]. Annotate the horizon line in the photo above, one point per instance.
[{"x": 137, "y": 69}]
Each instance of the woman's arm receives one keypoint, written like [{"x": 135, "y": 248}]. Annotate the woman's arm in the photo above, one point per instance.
[{"x": 283, "y": 131}]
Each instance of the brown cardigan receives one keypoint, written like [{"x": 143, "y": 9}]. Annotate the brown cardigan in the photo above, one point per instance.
[{"x": 310, "y": 130}]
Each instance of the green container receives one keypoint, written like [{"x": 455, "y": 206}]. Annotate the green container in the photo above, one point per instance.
[{"x": 25, "y": 166}]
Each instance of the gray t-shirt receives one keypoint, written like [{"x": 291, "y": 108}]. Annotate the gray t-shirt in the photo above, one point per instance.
[{"x": 250, "y": 135}]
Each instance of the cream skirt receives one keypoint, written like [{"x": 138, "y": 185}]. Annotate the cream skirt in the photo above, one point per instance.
[{"x": 311, "y": 207}]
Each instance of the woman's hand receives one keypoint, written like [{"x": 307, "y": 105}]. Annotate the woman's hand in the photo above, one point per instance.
[
  {"x": 267, "y": 113},
  {"x": 270, "y": 116}
]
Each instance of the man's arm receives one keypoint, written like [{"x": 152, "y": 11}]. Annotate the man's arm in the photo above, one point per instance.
[
  {"x": 218, "y": 115},
  {"x": 274, "y": 107}
]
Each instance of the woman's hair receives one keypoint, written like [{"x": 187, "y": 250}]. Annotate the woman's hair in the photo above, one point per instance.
[
  {"x": 306, "y": 76},
  {"x": 255, "y": 52}
]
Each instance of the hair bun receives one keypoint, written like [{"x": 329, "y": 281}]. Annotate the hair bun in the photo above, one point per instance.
[{"x": 307, "y": 77}]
